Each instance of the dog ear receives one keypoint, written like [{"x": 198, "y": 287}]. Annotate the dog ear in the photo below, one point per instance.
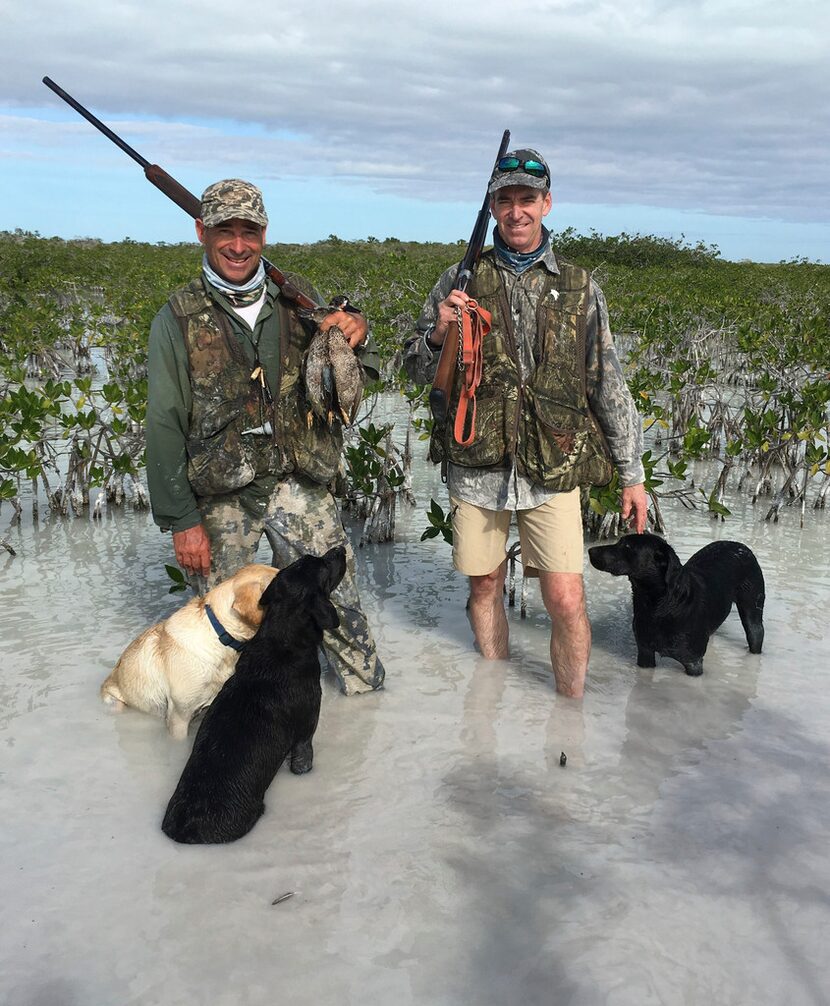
[
  {"x": 333, "y": 568},
  {"x": 677, "y": 579},
  {"x": 323, "y": 612},
  {"x": 246, "y": 603},
  {"x": 662, "y": 558},
  {"x": 673, "y": 568},
  {"x": 269, "y": 595}
]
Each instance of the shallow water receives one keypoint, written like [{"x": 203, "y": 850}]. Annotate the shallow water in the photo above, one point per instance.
[{"x": 438, "y": 853}]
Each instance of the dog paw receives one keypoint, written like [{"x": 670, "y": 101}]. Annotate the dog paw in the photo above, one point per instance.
[
  {"x": 301, "y": 758},
  {"x": 177, "y": 725}
]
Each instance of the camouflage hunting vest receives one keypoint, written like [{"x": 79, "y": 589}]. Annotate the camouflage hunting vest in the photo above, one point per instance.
[
  {"x": 221, "y": 457},
  {"x": 545, "y": 424}
]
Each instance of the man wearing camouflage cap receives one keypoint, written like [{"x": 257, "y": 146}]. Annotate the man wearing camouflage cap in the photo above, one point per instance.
[
  {"x": 549, "y": 369},
  {"x": 232, "y": 450}
]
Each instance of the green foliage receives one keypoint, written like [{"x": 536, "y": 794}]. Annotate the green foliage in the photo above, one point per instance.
[
  {"x": 725, "y": 360},
  {"x": 365, "y": 462},
  {"x": 636, "y": 251},
  {"x": 715, "y": 507},
  {"x": 180, "y": 581},
  {"x": 439, "y": 523}
]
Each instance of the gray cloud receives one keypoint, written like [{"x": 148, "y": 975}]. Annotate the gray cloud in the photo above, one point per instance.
[{"x": 720, "y": 107}]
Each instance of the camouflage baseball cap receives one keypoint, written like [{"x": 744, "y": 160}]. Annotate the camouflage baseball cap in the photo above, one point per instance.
[
  {"x": 515, "y": 169},
  {"x": 231, "y": 198}
]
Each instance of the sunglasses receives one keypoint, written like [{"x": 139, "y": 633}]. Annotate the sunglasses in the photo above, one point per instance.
[{"x": 535, "y": 168}]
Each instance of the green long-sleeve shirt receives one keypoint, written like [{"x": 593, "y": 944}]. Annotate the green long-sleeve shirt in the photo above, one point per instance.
[{"x": 169, "y": 403}]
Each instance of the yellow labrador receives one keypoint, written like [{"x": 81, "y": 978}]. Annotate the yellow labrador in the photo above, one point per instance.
[{"x": 177, "y": 666}]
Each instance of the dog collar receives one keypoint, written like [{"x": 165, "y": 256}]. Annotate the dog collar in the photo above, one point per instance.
[{"x": 223, "y": 634}]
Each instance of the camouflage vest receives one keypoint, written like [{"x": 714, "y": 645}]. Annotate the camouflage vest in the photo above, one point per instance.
[
  {"x": 544, "y": 425},
  {"x": 221, "y": 457}
]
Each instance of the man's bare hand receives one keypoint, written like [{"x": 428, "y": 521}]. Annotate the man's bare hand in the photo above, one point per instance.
[
  {"x": 353, "y": 326},
  {"x": 635, "y": 506},
  {"x": 447, "y": 315},
  {"x": 192, "y": 548}
]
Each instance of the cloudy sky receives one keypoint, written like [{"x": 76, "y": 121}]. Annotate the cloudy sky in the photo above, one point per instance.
[{"x": 671, "y": 117}]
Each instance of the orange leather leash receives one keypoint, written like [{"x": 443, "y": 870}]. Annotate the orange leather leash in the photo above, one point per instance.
[{"x": 473, "y": 324}]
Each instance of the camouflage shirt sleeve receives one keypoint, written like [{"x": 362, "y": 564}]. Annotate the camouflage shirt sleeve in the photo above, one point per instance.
[
  {"x": 419, "y": 359},
  {"x": 609, "y": 395}
]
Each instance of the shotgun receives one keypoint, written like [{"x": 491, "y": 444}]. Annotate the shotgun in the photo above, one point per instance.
[
  {"x": 173, "y": 190},
  {"x": 439, "y": 396}
]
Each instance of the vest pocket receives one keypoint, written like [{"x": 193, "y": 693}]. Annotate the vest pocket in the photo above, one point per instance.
[
  {"x": 488, "y": 448},
  {"x": 214, "y": 417},
  {"x": 561, "y": 447},
  {"x": 560, "y": 335},
  {"x": 223, "y": 461}
]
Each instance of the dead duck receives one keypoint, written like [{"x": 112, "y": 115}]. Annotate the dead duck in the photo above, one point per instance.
[{"x": 333, "y": 375}]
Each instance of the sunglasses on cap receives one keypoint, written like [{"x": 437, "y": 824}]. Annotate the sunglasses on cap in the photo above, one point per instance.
[{"x": 535, "y": 168}]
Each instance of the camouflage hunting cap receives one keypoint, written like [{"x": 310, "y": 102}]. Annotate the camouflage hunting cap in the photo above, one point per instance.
[
  {"x": 231, "y": 198},
  {"x": 512, "y": 169}
]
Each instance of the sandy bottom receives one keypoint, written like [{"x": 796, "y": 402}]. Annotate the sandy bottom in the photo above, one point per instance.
[{"x": 438, "y": 853}]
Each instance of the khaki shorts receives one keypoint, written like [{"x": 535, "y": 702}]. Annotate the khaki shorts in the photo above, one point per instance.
[{"x": 550, "y": 535}]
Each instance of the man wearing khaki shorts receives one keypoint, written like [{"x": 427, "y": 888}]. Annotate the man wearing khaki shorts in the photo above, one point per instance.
[{"x": 550, "y": 377}]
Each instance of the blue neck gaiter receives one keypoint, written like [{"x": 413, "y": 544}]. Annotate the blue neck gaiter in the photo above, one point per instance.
[{"x": 519, "y": 261}]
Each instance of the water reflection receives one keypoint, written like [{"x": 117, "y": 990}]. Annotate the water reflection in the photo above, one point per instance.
[{"x": 438, "y": 844}]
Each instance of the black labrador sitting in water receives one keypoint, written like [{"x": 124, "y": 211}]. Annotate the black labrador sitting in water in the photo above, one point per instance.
[
  {"x": 265, "y": 711},
  {"x": 676, "y": 607}
]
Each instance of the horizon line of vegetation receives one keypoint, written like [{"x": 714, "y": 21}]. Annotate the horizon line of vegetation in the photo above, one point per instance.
[
  {"x": 623, "y": 247},
  {"x": 728, "y": 362}
]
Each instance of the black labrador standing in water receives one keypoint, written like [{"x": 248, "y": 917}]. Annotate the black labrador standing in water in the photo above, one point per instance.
[
  {"x": 265, "y": 711},
  {"x": 677, "y": 607}
]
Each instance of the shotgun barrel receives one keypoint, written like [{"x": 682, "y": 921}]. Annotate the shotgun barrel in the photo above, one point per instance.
[
  {"x": 181, "y": 196},
  {"x": 439, "y": 395}
]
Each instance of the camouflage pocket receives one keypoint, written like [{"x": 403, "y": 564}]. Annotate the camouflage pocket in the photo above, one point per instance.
[
  {"x": 561, "y": 447},
  {"x": 488, "y": 447},
  {"x": 221, "y": 462},
  {"x": 214, "y": 419}
]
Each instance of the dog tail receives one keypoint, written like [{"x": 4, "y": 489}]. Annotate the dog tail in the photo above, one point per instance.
[{"x": 111, "y": 695}]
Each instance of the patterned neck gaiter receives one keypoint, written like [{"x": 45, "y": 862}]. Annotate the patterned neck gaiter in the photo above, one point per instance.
[
  {"x": 239, "y": 296},
  {"x": 519, "y": 261}
]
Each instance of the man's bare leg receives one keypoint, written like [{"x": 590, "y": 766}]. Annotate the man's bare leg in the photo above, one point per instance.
[
  {"x": 570, "y": 641},
  {"x": 487, "y": 615}
]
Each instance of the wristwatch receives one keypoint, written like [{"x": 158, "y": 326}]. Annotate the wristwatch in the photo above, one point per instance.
[{"x": 427, "y": 339}]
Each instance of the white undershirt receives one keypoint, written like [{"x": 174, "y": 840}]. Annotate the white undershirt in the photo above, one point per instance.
[{"x": 250, "y": 312}]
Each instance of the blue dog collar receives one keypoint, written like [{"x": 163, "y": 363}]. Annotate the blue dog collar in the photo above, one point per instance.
[{"x": 223, "y": 634}]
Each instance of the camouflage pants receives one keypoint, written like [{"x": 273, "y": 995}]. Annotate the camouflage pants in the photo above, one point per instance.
[{"x": 300, "y": 517}]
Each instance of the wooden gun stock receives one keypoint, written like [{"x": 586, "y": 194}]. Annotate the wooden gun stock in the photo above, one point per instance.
[{"x": 439, "y": 395}]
